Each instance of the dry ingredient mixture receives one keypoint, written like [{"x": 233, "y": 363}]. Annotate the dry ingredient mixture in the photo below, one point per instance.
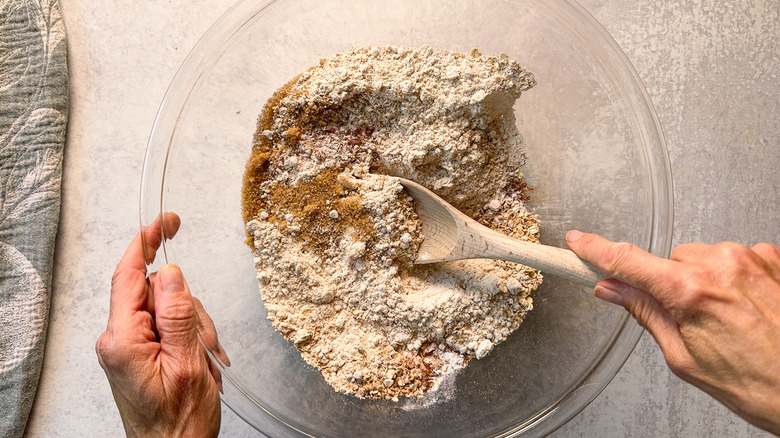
[{"x": 334, "y": 235}]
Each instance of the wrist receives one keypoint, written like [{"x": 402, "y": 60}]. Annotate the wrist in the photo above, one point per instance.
[{"x": 176, "y": 428}]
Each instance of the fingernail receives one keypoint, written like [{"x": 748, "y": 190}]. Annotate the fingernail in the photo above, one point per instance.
[
  {"x": 608, "y": 295},
  {"x": 573, "y": 235},
  {"x": 171, "y": 278}
]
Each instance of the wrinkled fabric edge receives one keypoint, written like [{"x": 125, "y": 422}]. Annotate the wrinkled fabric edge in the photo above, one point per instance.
[{"x": 35, "y": 107}]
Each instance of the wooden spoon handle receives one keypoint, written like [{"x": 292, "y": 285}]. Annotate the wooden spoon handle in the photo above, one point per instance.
[{"x": 560, "y": 262}]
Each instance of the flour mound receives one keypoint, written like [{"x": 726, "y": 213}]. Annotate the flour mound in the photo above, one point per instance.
[{"x": 333, "y": 233}]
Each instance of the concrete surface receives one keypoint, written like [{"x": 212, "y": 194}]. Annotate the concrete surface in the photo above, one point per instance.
[{"x": 711, "y": 68}]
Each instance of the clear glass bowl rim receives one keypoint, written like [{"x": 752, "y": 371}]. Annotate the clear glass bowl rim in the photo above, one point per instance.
[{"x": 204, "y": 54}]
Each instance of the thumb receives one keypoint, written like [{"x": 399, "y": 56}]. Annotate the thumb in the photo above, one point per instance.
[{"x": 175, "y": 315}]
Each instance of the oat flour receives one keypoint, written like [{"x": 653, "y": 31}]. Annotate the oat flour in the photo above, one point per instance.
[{"x": 333, "y": 233}]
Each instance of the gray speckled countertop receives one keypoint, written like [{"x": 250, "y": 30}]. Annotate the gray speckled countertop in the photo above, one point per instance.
[{"x": 711, "y": 68}]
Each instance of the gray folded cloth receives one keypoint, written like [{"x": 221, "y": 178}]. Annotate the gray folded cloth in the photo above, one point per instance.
[{"x": 33, "y": 118}]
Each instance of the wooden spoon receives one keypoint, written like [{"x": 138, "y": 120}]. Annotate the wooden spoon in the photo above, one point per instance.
[{"x": 450, "y": 235}]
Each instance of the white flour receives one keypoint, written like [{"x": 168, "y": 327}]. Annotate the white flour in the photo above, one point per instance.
[{"x": 333, "y": 238}]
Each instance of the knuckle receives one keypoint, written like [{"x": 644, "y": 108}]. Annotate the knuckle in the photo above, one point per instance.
[
  {"x": 177, "y": 319},
  {"x": 642, "y": 313},
  {"x": 680, "y": 366},
  {"x": 116, "y": 278},
  {"x": 178, "y": 310},
  {"x": 693, "y": 288},
  {"x": 687, "y": 251},
  {"x": 732, "y": 253},
  {"x": 122, "y": 277},
  {"x": 617, "y": 254},
  {"x": 767, "y": 250},
  {"x": 103, "y": 345},
  {"x": 145, "y": 320},
  {"x": 734, "y": 261},
  {"x": 105, "y": 348},
  {"x": 677, "y": 252},
  {"x": 693, "y": 279},
  {"x": 644, "y": 309}
]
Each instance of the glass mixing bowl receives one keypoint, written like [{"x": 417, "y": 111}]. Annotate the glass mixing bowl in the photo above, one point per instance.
[{"x": 596, "y": 162}]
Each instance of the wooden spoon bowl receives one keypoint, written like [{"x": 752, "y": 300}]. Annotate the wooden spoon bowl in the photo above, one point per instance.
[{"x": 450, "y": 235}]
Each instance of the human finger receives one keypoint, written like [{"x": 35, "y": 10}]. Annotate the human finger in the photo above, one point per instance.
[
  {"x": 208, "y": 333},
  {"x": 689, "y": 251},
  {"x": 771, "y": 255},
  {"x": 623, "y": 261},
  {"x": 653, "y": 316},
  {"x": 175, "y": 316},
  {"x": 165, "y": 227},
  {"x": 215, "y": 373},
  {"x": 129, "y": 288},
  {"x": 146, "y": 242},
  {"x": 151, "y": 279}
]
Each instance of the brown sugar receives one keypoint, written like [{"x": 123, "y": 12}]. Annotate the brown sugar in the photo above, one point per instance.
[
  {"x": 312, "y": 202},
  {"x": 333, "y": 238}
]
